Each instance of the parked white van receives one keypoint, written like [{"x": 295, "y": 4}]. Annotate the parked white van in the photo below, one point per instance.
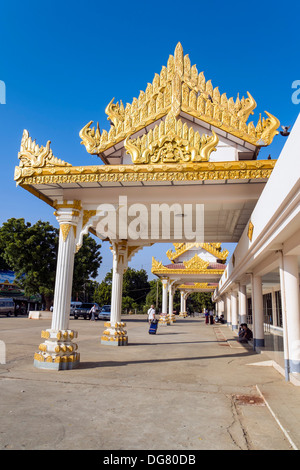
[
  {"x": 73, "y": 306},
  {"x": 7, "y": 306}
]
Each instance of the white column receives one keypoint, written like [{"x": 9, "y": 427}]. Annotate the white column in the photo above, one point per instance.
[
  {"x": 114, "y": 334},
  {"x": 164, "y": 319},
  {"x": 228, "y": 308},
  {"x": 274, "y": 310},
  {"x": 164, "y": 309},
  {"x": 234, "y": 314},
  {"x": 242, "y": 304},
  {"x": 171, "y": 297},
  {"x": 182, "y": 304},
  {"x": 289, "y": 280},
  {"x": 184, "y": 301},
  {"x": 257, "y": 312},
  {"x": 58, "y": 351}
]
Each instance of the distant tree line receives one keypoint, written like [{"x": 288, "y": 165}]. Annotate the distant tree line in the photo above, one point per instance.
[{"x": 31, "y": 252}]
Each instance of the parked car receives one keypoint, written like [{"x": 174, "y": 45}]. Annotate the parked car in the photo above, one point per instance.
[
  {"x": 7, "y": 307},
  {"x": 73, "y": 306},
  {"x": 105, "y": 313},
  {"x": 84, "y": 310}
]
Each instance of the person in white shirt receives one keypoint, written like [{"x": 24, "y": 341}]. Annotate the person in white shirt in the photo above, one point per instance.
[
  {"x": 92, "y": 312},
  {"x": 151, "y": 314}
]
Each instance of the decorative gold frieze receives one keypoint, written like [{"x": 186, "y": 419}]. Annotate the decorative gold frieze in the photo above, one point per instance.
[
  {"x": 202, "y": 171},
  {"x": 178, "y": 88},
  {"x": 171, "y": 142},
  {"x": 197, "y": 285}
]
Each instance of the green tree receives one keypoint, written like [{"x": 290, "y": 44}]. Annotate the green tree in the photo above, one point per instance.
[
  {"x": 102, "y": 293},
  {"x": 199, "y": 300},
  {"x": 31, "y": 252},
  {"x": 86, "y": 264},
  {"x": 136, "y": 286},
  {"x": 154, "y": 296},
  {"x": 135, "y": 289}
]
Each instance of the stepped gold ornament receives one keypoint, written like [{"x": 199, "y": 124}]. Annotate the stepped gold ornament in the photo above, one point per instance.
[
  {"x": 180, "y": 88},
  {"x": 213, "y": 248}
]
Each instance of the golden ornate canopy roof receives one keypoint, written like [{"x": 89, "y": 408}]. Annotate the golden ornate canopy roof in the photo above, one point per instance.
[{"x": 179, "y": 87}]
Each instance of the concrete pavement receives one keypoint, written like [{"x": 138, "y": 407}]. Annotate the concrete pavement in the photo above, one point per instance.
[{"x": 190, "y": 387}]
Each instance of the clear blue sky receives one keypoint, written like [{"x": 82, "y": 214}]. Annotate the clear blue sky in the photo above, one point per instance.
[{"x": 63, "y": 61}]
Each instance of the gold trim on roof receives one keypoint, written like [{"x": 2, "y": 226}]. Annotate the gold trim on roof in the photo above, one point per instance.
[
  {"x": 171, "y": 142},
  {"x": 177, "y": 88},
  {"x": 213, "y": 248}
]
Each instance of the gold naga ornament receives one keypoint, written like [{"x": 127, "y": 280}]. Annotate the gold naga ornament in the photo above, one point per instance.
[
  {"x": 179, "y": 87},
  {"x": 34, "y": 157}
]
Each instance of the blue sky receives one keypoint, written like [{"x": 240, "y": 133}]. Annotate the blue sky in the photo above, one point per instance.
[{"x": 62, "y": 62}]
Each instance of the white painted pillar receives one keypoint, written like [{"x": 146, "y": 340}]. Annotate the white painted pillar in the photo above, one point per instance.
[
  {"x": 234, "y": 311},
  {"x": 228, "y": 308},
  {"x": 58, "y": 351},
  {"x": 274, "y": 311},
  {"x": 257, "y": 312},
  {"x": 182, "y": 304},
  {"x": 289, "y": 280},
  {"x": 186, "y": 294},
  {"x": 114, "y": 334},
  {"x": 164, "y": 309},
  {"x": 171, "y": 297},
  {"x": 242, "y": 304}
]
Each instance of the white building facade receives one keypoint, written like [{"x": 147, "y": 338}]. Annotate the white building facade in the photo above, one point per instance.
[{"x": 262, "y": 277}]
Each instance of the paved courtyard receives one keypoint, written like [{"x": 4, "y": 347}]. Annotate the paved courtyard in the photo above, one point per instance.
[{"x": 190, "y": 387}]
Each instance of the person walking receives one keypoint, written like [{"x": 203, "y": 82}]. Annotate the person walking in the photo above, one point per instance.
[
  {"x": 92, "y": 312},
  {"x": 151, "y": 314}
]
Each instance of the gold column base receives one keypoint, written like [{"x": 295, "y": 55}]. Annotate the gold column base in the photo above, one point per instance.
[
  {"x": 114, "y": 334},
  {"x": 164, "y": 320},
  {"x": 58, "y": 352}
]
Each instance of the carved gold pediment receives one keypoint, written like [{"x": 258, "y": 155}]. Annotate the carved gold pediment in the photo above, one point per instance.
[
  {"x": 179, "y": 87},
  {"x": 196, "y": 263},
  {"x": 171, "y": 142}
]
